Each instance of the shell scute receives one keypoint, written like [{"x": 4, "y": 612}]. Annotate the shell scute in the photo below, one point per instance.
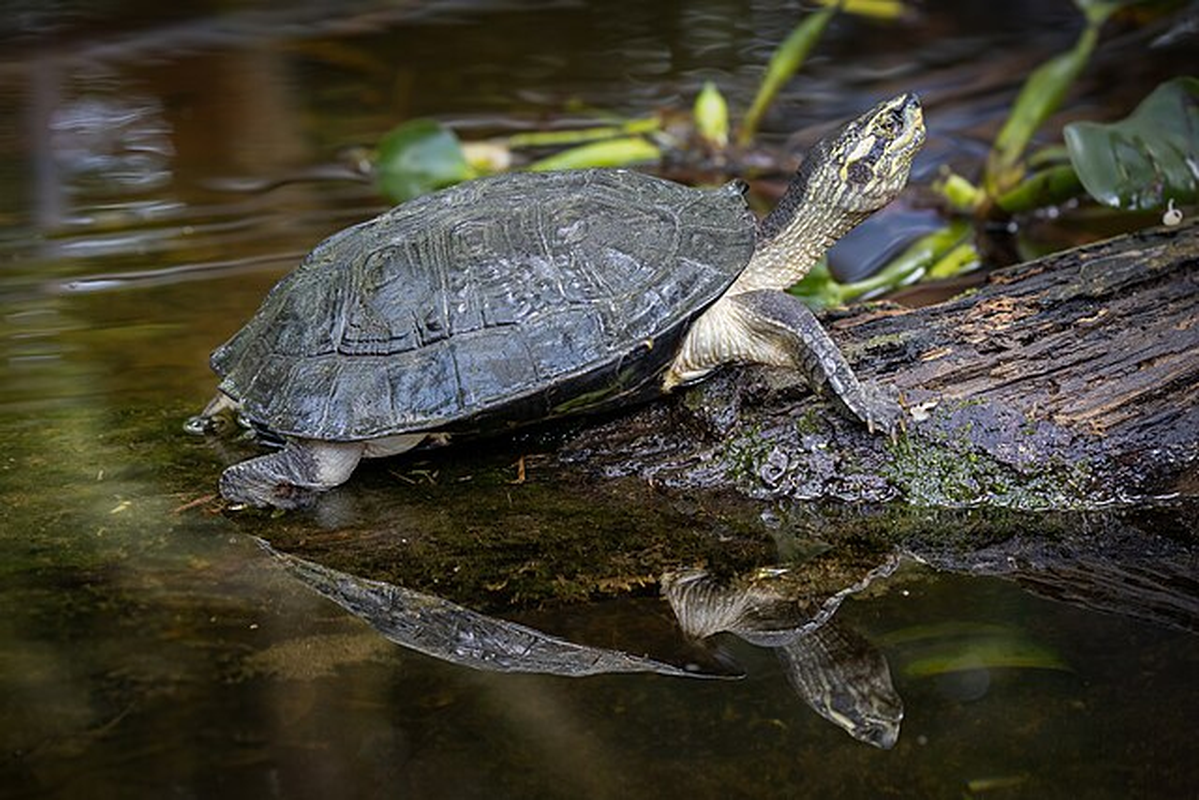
[{"x": 502, "y": 298}]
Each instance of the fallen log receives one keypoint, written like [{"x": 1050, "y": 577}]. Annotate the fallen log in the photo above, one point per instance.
[{"x": 1070, "y": 381}]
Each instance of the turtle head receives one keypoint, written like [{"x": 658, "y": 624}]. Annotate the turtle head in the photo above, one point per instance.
[{"x": 865, "y": 164}]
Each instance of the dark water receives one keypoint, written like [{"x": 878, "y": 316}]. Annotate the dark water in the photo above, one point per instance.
[{"x": 150, "y": 647}]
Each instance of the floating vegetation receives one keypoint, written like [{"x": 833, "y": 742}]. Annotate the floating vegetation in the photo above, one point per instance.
[
  {"x": 418, "y": 157},
  {"x": 1150, "y": 159}
]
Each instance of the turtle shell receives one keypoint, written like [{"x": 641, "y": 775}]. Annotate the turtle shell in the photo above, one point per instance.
[{"x": 507, "y": 299}]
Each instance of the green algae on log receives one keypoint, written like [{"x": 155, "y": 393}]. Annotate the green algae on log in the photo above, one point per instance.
[{"x": 1071, "y": 381}]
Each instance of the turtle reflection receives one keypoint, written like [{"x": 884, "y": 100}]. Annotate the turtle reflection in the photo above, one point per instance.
[
  {"x": 836, "y": 671},
  {"x": 436, "y": 627}
]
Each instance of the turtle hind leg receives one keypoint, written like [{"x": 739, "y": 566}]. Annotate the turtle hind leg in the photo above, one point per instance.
[
  {"x": 786, "y": 333},
  {"x": 291, "y": 477}
]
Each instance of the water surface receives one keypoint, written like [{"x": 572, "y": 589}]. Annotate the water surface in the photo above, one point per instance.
[{"x": 149, "y": 646}]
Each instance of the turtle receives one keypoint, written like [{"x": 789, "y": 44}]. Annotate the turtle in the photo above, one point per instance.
[
  {"x": 839, "y": 673},
  {"x": 530, "y": 296}
]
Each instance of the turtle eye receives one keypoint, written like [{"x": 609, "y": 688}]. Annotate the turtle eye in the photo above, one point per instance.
[{"x": 891, "y": 123}]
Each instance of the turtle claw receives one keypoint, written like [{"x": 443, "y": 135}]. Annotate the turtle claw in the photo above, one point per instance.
[{"x": 878, "y": 407}]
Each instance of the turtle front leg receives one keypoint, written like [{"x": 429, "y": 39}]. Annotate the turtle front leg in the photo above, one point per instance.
[
  {"x": 784, "y": 332},
  {"x": 291, "y": 477}
]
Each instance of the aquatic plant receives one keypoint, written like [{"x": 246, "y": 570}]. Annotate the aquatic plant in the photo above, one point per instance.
[
  {"x": 1144, "y": 161},
  {"x": 421, "y": 155}
]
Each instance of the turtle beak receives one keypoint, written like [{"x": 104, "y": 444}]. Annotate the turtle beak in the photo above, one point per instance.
[{"x": 907, "y": 107}]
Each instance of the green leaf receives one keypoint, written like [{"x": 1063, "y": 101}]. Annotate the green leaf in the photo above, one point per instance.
[
  {"x": 581, "y": 135},
  {"x": 818, "y": 290},
  {"x": 945, "y": 250},
  {"x": 913, "y": 263},
  {"x": 876, "y": 9},
  {"x": 611, "y": 153},
  {"x": 1040, "y": 96},
  {"x": 1097, "y": 11},
  {"x": 418, "y": 157},
  {"x": 960, "y": 259},
  {"x": 1048, "y": 187},
  {"x": 961, "y": 194},
  {"x": 787, "y": 59},
  {"x": 712, "y": 116},
  {"x": 1148, "y": 157}
]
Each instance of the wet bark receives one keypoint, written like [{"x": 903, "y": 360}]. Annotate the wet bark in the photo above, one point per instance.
[{"x": 1068, "y": 381}]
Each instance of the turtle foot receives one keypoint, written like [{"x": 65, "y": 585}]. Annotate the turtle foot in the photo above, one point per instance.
[
  {"x": 878, "y": 407},
  {"x": 245, "y": 484},
  {"x": 291, "y": 477}
]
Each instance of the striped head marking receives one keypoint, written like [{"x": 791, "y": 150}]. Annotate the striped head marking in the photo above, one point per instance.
[{"x": 865, "y": 164}]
